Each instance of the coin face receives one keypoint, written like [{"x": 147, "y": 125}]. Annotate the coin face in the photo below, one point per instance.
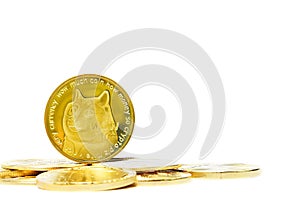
[
  {"x": 235, "y": 170},
  {"x": 38, "y": 165},
  {"x": 162, "y": 177},
  {"x": 89, "y": 178},
  {"x": 89, "y": 118},
  {"x": 140, "y": 164}
]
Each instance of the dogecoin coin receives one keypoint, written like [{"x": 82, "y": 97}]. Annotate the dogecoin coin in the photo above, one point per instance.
[
  {"x": 39, "y": 164},
  {"x": 141, "y": 165},
  {"x": 89, "y": 118},
  {"x": 163, "y": 177},
  {"x": 220, "y": 171},
  {"x": 91, "y": 178}
]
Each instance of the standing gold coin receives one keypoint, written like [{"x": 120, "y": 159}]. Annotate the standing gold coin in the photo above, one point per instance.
[
  {"x": 89, "y": 118},
  {"x": 237, "y": 170},
  {"x": 39, "y": 164},
  {"x": 90, "y": 178},
  {"x": 163, "y": 177}
]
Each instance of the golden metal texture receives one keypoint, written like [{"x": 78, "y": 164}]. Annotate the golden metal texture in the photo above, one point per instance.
[
  {"x": 220, "y": 171},
  {"x": 39, "y": 164},
  {"x": 89, "y": 118},
  {"x": 89, "y": 178},
  {"x": 163, "y": 177}
]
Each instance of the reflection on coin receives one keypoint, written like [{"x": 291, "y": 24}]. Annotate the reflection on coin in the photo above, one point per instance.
[
  {"x": 89, "y": 118},
  {"x": 39, "y": 164},
  {"x": 24, "y": 180},
  {"x": 163, "y": 177},
  {"x": 86, "y": 178},
  {"x": 141, "y": 165},
  {"x": 220, "y": 171}
]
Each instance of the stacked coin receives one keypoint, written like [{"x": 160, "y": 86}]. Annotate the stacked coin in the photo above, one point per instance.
[
  {"x": 68, "y": 175},
  {"x": 17, "y": 177},
  {"x": 25, "y": 171},
  {"x": 89, "y": 119}
]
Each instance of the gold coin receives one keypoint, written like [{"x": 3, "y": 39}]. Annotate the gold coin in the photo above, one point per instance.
[
  {"x": 16, "y": 173},
  {"x": 90, "y": 178},
  {"x": 24, "y": 180},
  {"x": 141, "y": 165},
  {"x": 89, "y": 118},
  {"x": 39, "y": 164},
  {"x": 157, "y": 168},
  {"x": 163, "y": 177},
  {"x": 220, "y": 171}
]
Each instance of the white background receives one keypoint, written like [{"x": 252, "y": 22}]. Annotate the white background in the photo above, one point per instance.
[{"x": 255, "y": 46}]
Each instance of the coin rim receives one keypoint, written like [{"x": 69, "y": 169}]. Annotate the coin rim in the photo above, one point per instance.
[
  {"x": 47, "y": 112},
  {"x": 24, "y": 166},
  {"x": 252, "y": 171},
  {"x": 13, "y": 173},
  {"x": 151, "y": 168},
  {"x": 29, "y": 180},
  {"x": 165, "y": 181}
]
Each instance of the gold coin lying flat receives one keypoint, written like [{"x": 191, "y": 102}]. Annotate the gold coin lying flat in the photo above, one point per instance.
[
  {"x": 39, "y": 164},
  {"x": 16, "y": 173},
  {"x": 141, "y": 165},
  {"x": 157, "y": 168},
  {"x": 88, "y": 178},
  {"x": 89, "y": 118},
  {"x": 24, "y": 180},
  {"x": 17, "y": 177},
  {"x": 221, "y": 171},
  {"x": 163, "y": 177}
]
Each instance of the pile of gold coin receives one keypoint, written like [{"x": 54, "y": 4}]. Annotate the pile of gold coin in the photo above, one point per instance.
[
  {"x": 72, "y": 176},
  {"x": 89, "y": 119}
]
